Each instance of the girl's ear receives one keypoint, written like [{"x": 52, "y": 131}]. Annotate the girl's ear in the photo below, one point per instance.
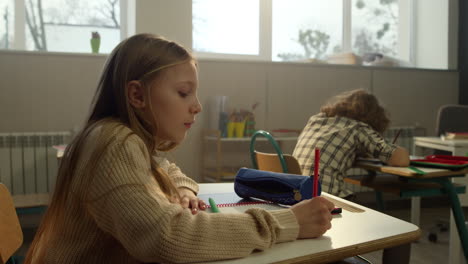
[{"x": 135, "y": 94}]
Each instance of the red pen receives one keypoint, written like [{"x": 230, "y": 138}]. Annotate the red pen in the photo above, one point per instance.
[{"x": 316, "y": 172}]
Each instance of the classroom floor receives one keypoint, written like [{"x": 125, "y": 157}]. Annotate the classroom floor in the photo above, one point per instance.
[{"x": 433, "y": 211}]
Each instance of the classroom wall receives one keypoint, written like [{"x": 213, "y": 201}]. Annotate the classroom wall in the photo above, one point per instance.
[{"x": 51, "y": 92}]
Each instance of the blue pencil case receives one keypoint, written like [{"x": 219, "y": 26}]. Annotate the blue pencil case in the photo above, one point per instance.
[{"x": 281, "y": 188}]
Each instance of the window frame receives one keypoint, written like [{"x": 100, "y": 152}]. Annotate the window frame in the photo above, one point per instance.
[
  {"x": 127, "y": 28},
  {"x": 405, "y": 29}
]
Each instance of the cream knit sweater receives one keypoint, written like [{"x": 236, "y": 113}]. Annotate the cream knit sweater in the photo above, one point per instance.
[{"x": 127, "y": 218}]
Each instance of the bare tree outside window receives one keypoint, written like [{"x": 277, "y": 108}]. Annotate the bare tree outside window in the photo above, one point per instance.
[
  {"x": 45, "y": 21},
  {"x": 4, "y": 38},
  {"x": 110, "y": 11},
  {"x": 35, "y": 23},
  {"x": 7, "y": 19}
]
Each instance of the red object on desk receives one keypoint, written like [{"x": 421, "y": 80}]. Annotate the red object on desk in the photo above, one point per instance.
[
  {"x": 442, "y": 161},
  {"x": 316, "y": 172}
]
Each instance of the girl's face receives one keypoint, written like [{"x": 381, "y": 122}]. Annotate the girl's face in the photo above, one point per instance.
[{"x": 175, "y": 102}]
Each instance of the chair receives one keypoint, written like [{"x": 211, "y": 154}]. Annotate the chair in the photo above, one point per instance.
[
  {"x": 285, "y": 163},
  {"x": 452, "y": 118},
  {"x": 271, "y": 162},
  {"x": 275, "y": 162},
  {"x": 11, "y": 236}
]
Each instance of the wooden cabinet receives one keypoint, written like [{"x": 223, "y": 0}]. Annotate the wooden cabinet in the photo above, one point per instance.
[{"x": 221, "y": 157}]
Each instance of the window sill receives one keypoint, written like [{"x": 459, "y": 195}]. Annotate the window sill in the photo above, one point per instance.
[
  {"x": 52, "y": 53},
  {"x": 321, "y": 64}
]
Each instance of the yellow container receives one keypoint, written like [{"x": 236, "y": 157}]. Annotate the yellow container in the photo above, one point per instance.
[
  {"x": 240, "y": 128},
  {"x": 231, "y": 128}
]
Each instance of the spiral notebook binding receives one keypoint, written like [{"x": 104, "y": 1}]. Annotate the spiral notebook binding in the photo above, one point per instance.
[{"x": 240, "y": 204}]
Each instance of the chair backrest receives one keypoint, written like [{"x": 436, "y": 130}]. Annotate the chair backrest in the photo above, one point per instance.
[
  {"x": 452, "y": 118},
  {"x": 275, "y": 162},
  {"x": 11, "y": 236},
  {"x": 271, "y": 162}
]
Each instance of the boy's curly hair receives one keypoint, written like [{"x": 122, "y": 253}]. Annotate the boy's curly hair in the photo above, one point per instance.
[{"x": 359, "y": 105}]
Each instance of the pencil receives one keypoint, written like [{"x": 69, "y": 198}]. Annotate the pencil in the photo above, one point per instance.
[
  {"x": 316, "y": 172},
  {"x": 213, "y": 206},
  {"x": 418, "y": 171},
  {"x": 396, "y": 136}
]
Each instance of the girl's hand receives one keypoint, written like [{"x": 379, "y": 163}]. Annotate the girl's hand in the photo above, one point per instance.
[
  {"x": 313, "y": 216},
  {"x": 188, "y": 199}
]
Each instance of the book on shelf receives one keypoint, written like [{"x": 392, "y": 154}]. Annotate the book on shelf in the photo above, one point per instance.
[
  {"x": 456, "y": 135},
  {"x": 344, "y": 58}
]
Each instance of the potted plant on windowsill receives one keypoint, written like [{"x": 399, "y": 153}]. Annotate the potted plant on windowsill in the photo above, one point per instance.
[{"x": 95, "y": 42}]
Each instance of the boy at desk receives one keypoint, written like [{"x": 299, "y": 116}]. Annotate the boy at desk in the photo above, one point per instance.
[
  {"x": 118, "y": 201},
  {"x": 349, "y": 125}
]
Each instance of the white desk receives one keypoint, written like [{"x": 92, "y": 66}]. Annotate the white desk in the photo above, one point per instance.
[
  {"x": 352, "y": 233},
  {"x": 458, "y": 147}
]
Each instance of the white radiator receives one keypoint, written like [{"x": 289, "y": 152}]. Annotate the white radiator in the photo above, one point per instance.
[
  {"x": 405, "y": 139},
  {"x": 28, "y": 163}
]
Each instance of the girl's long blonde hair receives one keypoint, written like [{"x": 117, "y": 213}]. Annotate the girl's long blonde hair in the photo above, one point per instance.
[
  {"x": 142, "y": 57},
  {"x": 358, "y": 105}
]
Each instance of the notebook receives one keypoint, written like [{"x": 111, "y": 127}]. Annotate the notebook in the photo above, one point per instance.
[{"x": 231, "y": 203}]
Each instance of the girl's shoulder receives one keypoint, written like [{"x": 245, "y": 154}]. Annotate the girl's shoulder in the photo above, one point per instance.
[{"x": 111, "y": 130}]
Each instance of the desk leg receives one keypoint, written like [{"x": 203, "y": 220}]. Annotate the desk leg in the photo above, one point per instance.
[
  {"x": 459, "y": 218},
  {"x": 415, "y": 210},
  {"x": 455, "y": 251},
  {"x": 463, "y": 197},
  {"x": 416, "y": 201}
]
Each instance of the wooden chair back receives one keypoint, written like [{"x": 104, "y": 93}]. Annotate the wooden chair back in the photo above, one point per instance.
[
  {"x": 11, "y": 236},
  {"x": 271, "y": 162}
]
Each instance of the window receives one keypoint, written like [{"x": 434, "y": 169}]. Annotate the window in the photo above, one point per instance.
[
  {"x": 299, "y": 29},
  {"x": 375, "y": 27},
  {"x": 307, "y": 29},
  {"x": 62, "y": 25},
  {"x": 6, "y": 26},
  {"x": 226, "y": 26}
]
